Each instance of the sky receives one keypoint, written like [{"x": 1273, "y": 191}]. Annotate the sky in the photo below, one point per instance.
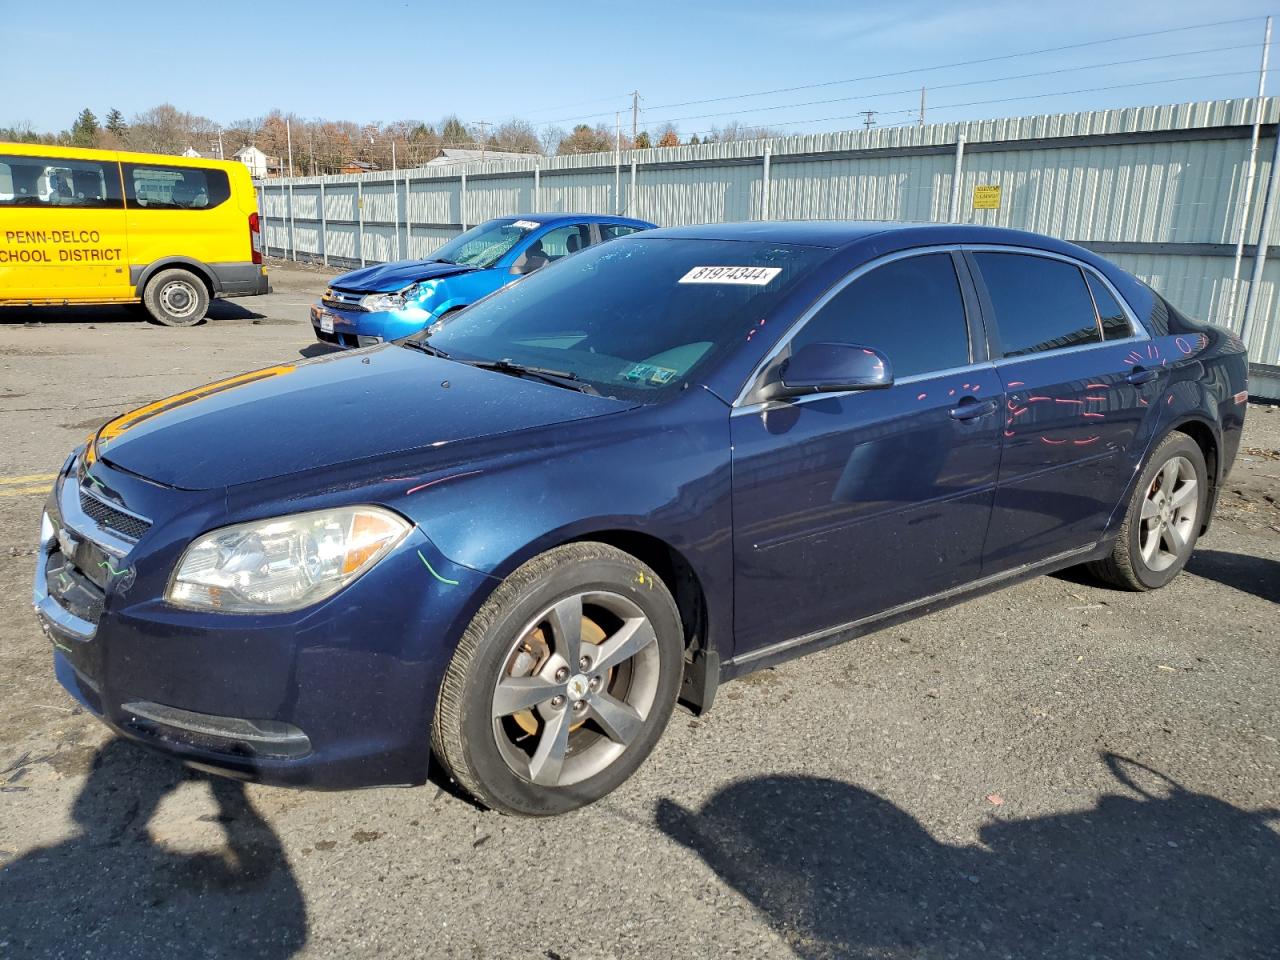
[{"x": 561, "y": 63}]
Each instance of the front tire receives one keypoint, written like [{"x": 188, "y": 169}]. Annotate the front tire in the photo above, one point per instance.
[
  {"x": 1163, "y": 521},
  {"x": 562, "y": 683},
  {"x": 176, "y": 298}
]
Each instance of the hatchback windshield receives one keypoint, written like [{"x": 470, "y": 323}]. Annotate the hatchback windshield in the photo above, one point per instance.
[
  {"x": 634, "y": 317},
  {"x": 483, "y": 246}
]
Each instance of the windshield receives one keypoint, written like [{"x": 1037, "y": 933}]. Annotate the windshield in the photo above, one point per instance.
[
  {"x": 485, "y": 245},
  {"x": 633, "y": 317}
]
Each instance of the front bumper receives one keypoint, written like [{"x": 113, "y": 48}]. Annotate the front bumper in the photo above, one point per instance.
[
  {"x": 338, "y": 695},
  {"x": 361, "y": 328}
]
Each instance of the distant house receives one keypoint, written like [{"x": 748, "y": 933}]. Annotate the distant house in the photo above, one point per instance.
[
  {"x": 195, "y": 154},
  {"x": 454, "y": 155},
  {"x": 358, "y": 166},
  {"x": 259, "y": 164}
]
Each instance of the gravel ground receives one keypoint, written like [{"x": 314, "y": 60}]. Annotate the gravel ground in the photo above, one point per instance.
[{"x": 1057, "y": 770}]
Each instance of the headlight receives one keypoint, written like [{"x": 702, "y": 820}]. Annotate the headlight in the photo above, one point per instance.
[
  {"x": 375, "y": 302},
  {"x": 285, "y": 563}
]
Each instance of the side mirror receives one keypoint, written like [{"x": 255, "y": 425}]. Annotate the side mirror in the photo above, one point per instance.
[{"x": 829, "y": 368}]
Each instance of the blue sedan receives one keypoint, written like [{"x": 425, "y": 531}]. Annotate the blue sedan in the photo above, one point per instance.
[
  {"x": 393, "y": 300},
  {"x": 658, "y": 465}
]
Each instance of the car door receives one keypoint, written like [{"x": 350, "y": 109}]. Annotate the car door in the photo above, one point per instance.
[
  {"x": 846, "y": 505},
  {"x": 63, "y": 229},
  {"x": 1078, "y": 379}
]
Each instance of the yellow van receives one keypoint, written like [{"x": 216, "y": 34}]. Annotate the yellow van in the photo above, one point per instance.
[{"x": 99, "y": 226}]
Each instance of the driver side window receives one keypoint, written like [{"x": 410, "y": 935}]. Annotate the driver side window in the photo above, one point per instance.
[{"x": 911, "y": 310}]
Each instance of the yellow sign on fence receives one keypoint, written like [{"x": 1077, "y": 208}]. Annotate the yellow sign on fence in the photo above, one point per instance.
[{"x": 986, "y": 196}]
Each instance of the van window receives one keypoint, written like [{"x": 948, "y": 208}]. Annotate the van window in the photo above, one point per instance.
[
  {"x": 174, "y": 188},
  {"x": 1040, "y": 303},
  {"x": 910, "y": 309},
  {"x": 54, "y": 182}
]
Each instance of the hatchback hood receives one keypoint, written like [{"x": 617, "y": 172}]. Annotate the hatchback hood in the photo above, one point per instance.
[
  {"x": 390, "y": 277},
  {"x": 336, "y": 409}
]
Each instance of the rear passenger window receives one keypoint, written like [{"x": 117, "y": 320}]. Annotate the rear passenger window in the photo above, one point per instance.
[
  {"x": 1040, "y": 304},
  {"x": 1115, "y": 324},
  {"x": 55, "y": 182},
  {"x": 612, "y": 231},
  {"x": 174, "y": 188},
  {"x": 911, "y": 310}
]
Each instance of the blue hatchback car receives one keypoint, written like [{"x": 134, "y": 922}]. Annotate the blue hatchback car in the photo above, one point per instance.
[
  {"x": 660, "y": 464},
  {"x": 393, "y": 300}
]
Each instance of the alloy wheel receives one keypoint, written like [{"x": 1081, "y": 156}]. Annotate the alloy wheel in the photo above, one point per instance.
[
  {"x": 1169, "y": 513},
  {"x": 576, "y": 688}
]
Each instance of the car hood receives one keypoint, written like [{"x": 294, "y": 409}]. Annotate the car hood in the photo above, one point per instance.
[
  {"x": 390, "y": 277},
  {"x": 336, "y": 409}
]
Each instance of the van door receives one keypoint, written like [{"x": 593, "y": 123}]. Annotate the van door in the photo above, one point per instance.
[
  {"x": 62, "y": 230},
  {"x": 181, "y": 211}
]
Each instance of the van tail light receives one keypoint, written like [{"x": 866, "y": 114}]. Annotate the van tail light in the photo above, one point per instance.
[{"x": 255, "y": 237}]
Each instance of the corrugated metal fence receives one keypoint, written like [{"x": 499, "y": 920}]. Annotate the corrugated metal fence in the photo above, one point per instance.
[{"x": 1159, "y": 190}]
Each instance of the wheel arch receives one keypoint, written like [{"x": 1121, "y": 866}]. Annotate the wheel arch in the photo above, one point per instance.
[{"x": 201, "y": 270}]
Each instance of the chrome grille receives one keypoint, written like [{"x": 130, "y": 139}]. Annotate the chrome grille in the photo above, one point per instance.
[
  {"x": 118, "y": 521},
  {"x": 343, "y": 298}
]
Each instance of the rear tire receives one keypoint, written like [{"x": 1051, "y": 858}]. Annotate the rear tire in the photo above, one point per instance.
[
  {"x": 562, "y": 683},
  {"x": 176, "y": 298},
  {"x": 1163, "y": 520}
]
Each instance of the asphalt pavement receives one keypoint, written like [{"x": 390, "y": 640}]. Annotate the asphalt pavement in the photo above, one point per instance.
[{"x": 1057, "y": 770}]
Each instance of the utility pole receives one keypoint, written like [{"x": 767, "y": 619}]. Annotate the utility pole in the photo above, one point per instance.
[
  {"x": 635, "y": 114},
  {"x": 617, "y": 162},
  {"x": 220, "y": 155},
  {"x": 393, "y": 153},
  {"x": 1246, "y": 200},
  {"x": 288, "y": 133},
  {"x": 868, "y": 118},
  {"x": 922, "y": 106},
  {"x": 484, "y": 135}
]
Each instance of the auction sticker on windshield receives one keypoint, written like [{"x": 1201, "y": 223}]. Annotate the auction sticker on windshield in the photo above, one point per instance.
[{"x": 752, "y": 276}]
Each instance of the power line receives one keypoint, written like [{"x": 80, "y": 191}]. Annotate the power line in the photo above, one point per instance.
[
  {"x": 940, "y": 66},
  {"x": 965, "y": 83},
  {"x": 1033, "y": 96}
]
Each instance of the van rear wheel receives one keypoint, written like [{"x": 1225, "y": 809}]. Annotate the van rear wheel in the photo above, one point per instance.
[{"x": 176, "y": 298}]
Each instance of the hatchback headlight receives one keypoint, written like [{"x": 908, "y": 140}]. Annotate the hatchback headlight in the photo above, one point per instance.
[
  {"x": 375, "y": 302},
  {"x": 284, "y": 563}
]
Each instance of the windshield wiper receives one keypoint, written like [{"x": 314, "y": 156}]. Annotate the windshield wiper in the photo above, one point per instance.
[
  {"x": 557, "y": 378},
  {"x": 425, "y": 348}
]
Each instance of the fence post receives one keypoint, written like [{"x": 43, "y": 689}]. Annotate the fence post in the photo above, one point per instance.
[
  {"x": 462, "y": 202},
  {"x": 293, "y": 236},
  {"x": 631, "y": 191},
  {"x": 1246, "y": 204},
  {"x": 766, "y": 184},
  {"x": 324, "y": 227},
  {"x": 1264, "y": 237},
  {"x": 953, "y": 213},
  {"x": 395, "y": 206},
  {"x": 537, "y": 184},
  {"x": 360, "y": 220},
  {"x": 408, "y": 219}
]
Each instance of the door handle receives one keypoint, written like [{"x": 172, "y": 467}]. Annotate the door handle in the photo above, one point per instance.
[
  {"x": 970, "y": 408},
  {"x": 1142, "y": 375}
]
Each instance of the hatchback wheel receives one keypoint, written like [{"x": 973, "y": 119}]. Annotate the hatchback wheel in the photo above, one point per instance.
[
  {"x": 176, "y": 298},
  {"x": 562, "y": 683},
  {"x": 1164, "y": 518}
]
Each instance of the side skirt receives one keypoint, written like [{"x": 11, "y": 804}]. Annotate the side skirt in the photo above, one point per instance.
[{"x": 799, "y": 646}]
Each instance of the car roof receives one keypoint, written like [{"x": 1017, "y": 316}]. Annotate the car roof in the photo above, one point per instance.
[
  {"x": 838, "y": 234},
  {"x": 548, "y": 218}
]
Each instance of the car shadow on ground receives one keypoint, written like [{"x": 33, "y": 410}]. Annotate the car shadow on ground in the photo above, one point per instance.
[
  {"x": 319, "y": 350},
  {"x": 112, "y": 313},
  {"x": 113, "y": 891},
  {"x": 1257, "y": 575},
  {"x": 1155, "y": 870}
]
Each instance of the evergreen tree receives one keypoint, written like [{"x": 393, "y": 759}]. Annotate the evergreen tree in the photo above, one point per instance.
[
  {"x": 454, "y": 134},
  {"x": 84, "y": 129},
  {"x": 642, "y": 140},
  {"x": 115, "y": 122}
]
